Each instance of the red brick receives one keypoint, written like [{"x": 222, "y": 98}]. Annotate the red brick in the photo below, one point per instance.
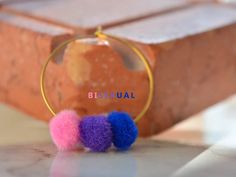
[
  {"x": 25, "y": 43},
  {"x": 195, "y": 60},
  {"x": 185, "y": 47}
]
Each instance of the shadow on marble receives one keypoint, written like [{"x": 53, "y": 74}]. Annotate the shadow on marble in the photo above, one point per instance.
[{"x": 146, "y": 159}]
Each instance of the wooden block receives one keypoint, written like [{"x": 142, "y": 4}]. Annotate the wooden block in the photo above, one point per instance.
[
  {"x": 25, "y": 43},
  {"x": 86, "y": 15},
  {"x": 194, "y": 60}
]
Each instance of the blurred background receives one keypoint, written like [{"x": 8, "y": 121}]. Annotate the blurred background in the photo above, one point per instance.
[{"x": 190, "y": 45}]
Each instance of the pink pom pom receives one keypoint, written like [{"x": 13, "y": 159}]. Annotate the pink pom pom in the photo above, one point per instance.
[{"x": 64, "y": 129}]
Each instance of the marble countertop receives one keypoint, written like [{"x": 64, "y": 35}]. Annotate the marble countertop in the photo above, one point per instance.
[{"x": 204, "y": 145}]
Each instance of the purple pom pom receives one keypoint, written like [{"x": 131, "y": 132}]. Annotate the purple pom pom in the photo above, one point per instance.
[{"x": 95, "y": 133}]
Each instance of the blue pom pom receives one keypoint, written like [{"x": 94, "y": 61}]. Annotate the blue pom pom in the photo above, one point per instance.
[
  {"x": 124, "y": 129},
  {"x": 95, "y": 133}
]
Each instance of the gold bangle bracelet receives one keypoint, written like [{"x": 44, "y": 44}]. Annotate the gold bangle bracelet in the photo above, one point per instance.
[{"x": 102, "y": 35}]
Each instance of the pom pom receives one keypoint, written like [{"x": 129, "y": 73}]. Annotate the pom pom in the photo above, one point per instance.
[
  {"x": 64, "y": 130},
  {"x": 124, "y": 129},
  {"x": 95, "y": 133}
]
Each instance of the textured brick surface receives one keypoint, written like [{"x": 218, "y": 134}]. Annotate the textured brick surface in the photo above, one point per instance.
[
  {"x": 195, "y": 60},
  {"x": 191, "y": 51},
  {"x": 25, "y": 43}
]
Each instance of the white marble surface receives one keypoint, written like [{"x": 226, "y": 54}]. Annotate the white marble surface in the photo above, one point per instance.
[
  {"x": 218, "y": 160},
  {"x": 202, "y": 146},
  {"x": 146, "y": 159},
  {"x": 18, "y": 128}
]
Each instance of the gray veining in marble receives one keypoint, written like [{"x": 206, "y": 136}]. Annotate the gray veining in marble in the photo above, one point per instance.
[{"x": 146, "y": 159}]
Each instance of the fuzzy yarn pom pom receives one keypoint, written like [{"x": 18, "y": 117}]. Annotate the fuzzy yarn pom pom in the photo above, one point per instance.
[
  {"x": 64, "y": 130},
  {"x": 95, "y": 133},
  {"x": 124, "y": 129}
]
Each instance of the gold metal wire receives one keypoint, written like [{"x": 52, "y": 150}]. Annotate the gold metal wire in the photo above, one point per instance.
[{"x": 102, "y": 35}]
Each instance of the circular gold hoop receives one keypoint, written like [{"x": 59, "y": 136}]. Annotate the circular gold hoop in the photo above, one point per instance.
[{"x": 102, "y": 35}]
